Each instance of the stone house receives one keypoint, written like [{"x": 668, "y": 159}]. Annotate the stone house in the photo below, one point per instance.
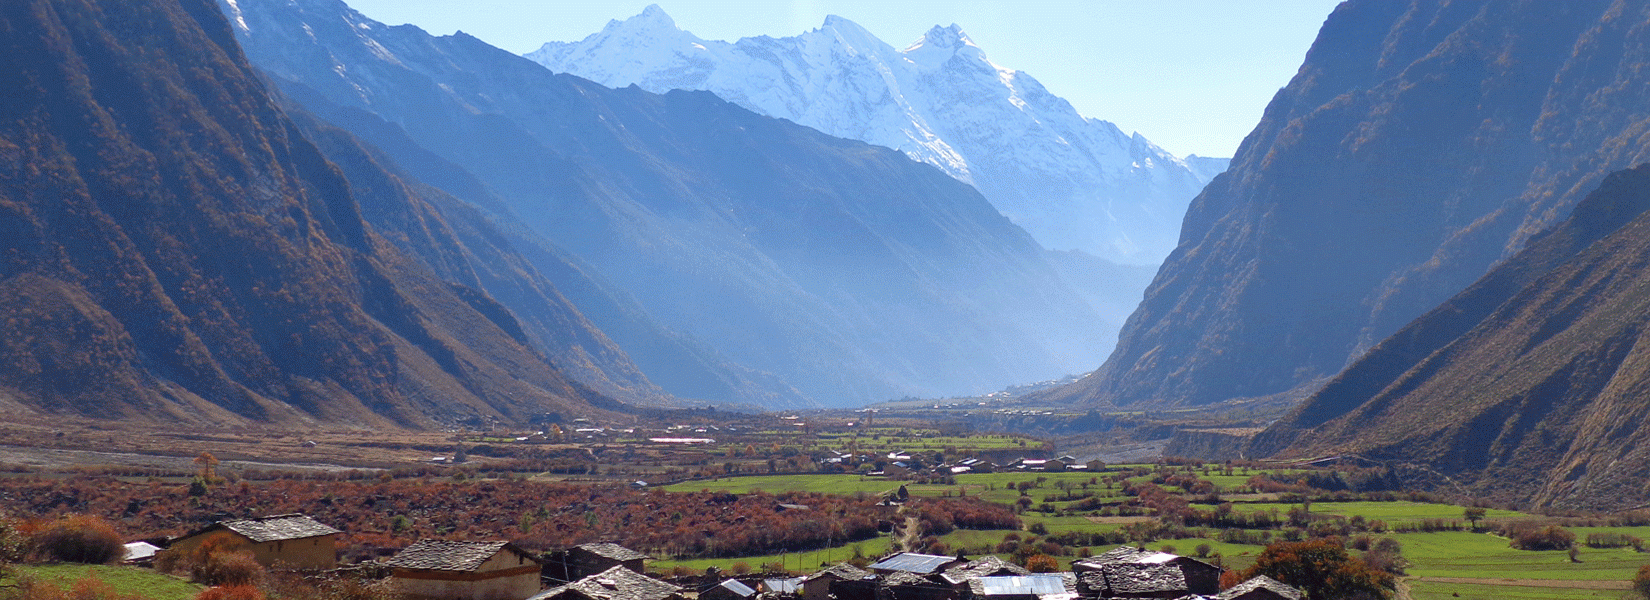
[
  {"x": 454, "y": 570},
  {"x": 817, "y": 585},
  {"x": 585, "y": 560},
  {"x": 1144, "y": 571},
  {"x": 617, "y": 583},
  {"x": 1261, "y": 588},
  {"x": 290, "y": 541}
]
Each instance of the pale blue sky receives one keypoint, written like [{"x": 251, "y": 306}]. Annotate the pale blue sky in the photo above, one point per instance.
[{"x": 1192, "y": 76}]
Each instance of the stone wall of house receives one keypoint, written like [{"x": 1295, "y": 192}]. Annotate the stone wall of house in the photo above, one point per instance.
[
  {"x": 313, "y": 553},
  {"x": 506, "y": 576}
]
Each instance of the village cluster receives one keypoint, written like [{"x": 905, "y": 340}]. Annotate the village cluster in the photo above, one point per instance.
[{"x": 499, "y": 570}]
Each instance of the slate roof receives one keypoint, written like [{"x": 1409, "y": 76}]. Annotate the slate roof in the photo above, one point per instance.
[
  {"x": 274, "y": 528},
  {"x": 913, "y": 563},
  {"x": 841, "y": 571},
  {"x": 1262, "y": 582},
  {"x": 445, "y": 555},
  {"x": 1118, "y": 554},
  {"x": 612, "y": 551},
  {"x": 1130, "y": 579},
  {"x": 617, "y": 583},
  {"x": 983, "y": 567},
  {"x": 907, "y": 578}
]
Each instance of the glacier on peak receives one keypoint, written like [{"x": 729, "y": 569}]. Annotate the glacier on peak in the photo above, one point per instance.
[{"x": 1072, "y": 182}]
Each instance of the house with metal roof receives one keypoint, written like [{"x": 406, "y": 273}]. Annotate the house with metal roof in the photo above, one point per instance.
[
  {"x": 732, "y": 589},
  {"x": 617, "y": 583},
  {"x": 1047, "y": 586},
  {"x": 289, "y": 541},
  {"x": 912, "y": 562},
  {"x": 456, "y": 570},
  {"x": 791, "y": 586}
]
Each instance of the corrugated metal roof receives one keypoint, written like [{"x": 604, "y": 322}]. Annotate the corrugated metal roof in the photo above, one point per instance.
[
  {"x": 737, "y": 587},
  {"x": 789, "y": 585},
  {"x": 1012, "y": 585},
  {"x": 913, "y": 563}
]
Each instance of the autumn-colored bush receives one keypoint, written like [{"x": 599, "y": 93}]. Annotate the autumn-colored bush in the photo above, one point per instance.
[
  {"x": 88, "y": 587},
  {"x": 1042, "y": 563},
  {"x": 1641, "y": 582},
  {"x": 1550, "y": 537},
  {"x": 221, "y": 559},
  {"x": 80, "y": 539},
  {"x": 231, "y": 592},
  {"x": 1322, "y": 568}
]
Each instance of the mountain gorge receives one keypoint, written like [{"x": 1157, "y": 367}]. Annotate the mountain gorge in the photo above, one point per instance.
[
  {"x": 1074, "y": 183},
  {"x": 174, "y": 249},
  {"x": 1419, "y": 144},
  {"x": 844, "y": 270},
  {"x": 1528, "y": 387}
]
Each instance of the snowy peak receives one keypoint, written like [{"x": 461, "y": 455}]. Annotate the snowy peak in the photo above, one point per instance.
[
  {"x": 652, "y": 20},
  {"x": 851, "y": 35},
  {"x": 940, "y": 44},
  {"x": 1072, "y": 182},
  {"x": 949, "y": 38}
]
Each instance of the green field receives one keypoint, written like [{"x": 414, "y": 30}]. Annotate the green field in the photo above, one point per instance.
[
  {"x": 1391, "y": 512},
  {"x": 1452, "y": 564},
  {"x": 127, "y": 581}
]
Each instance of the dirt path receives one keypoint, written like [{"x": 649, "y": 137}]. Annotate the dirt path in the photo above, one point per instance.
[
  {"x": 912, "y": 533},
  {"x": 1546, "y": 583}
]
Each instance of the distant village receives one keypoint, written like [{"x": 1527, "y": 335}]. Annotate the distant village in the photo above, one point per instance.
[{"x": 500, "y": 570}]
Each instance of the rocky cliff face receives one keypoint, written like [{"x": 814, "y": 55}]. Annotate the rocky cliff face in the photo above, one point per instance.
[
  {"x": 172, "y": 248},
  {"x": 1074, "y": 183},
  {"x": 1420, "y": 143},
  {"x": 1528, "y": 386},
  {"x": 849, "y": 271}
]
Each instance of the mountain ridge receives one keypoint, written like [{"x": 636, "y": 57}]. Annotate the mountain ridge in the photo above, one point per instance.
[
  {"x": 176, "y": 250},
  {"x": 1419, "y": 144},
  {"x": 1526, "y": 387},
  {"x": 849, "y": 271},
  {"x": 1072, "y": 182}
]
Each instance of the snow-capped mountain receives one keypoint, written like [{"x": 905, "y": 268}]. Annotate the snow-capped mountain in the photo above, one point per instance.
[{"x": 1071, "y": 181}]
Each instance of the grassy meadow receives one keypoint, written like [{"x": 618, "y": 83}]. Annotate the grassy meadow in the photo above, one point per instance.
[{"x": 1445, "y": 560}]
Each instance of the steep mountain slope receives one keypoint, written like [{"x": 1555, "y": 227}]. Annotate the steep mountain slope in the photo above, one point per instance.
[
  {"x": 1528, "y": 386},
  {"x": 173, "y": 249},
  {"x": 516, "y": 266},
  {"x": 848, "y": 270},
  {"x": 1072, "y": 182},
  {"x": 1420, "y": 143},
  {"x": 462, "y": 247}
]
